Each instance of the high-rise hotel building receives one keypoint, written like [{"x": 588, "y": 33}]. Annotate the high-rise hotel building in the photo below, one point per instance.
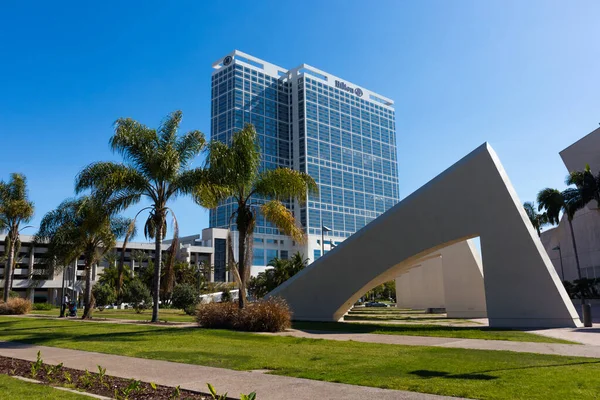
[{"x": 342, "y": 134}]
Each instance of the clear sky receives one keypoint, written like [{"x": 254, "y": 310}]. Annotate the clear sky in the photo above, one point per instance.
[{"x": 521, "y": 75}]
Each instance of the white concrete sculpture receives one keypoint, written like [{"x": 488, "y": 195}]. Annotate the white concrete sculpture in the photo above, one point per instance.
[{"x": 472, "y": 198}]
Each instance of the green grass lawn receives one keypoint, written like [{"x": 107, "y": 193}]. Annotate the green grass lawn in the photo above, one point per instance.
[
  {"x": 428, "y": 330},
  {"x": 14, "y": 389},
  {"x": 447, "y": 371},
  {"x": 164, "y": 315},
  {"x": 374, "y": 327}
]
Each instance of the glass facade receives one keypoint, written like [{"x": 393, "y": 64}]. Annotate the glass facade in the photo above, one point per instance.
[
  {"x": 350, "y": 150},
  {"x": 242, "y": 95},
  {"x": 344, "y": 138}
]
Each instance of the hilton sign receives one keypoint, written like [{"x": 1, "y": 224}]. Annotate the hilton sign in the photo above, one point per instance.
[{"x": 343, "y": 86}]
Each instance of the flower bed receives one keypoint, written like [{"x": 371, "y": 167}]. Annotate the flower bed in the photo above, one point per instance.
[{"x": 93, "y": 382}]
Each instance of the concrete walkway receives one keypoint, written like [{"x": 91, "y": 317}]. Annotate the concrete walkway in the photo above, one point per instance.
[
  {"x": 577, "y": 350},
  {"x": 588, "y": 336},
  {"x": 195, "y": 377}
]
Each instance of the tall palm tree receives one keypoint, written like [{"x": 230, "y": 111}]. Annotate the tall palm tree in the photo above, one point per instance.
[
  {"x": 156, "y": 167},
  {"x": 568, "y": 202},
  {"x": 588, "y": 185},
  {"x": 81, "y": 227},
  {"x": 15, "y": 209},
  {"x": 234, "y": 172},
  {"x": 538, "y": 220}
]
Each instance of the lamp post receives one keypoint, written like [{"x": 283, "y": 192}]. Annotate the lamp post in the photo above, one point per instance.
[
  {"x": 323, "y": 230},
  {"x": 562, "y": 271}
]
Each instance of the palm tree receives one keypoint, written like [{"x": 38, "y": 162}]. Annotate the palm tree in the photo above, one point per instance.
[
  {"x": 156, "y": 167},
  {"x": 15, "y": 209},
  {"x": 537, "y": 220},
  {"x": 234, "y": 173},
  {"x": 81, "y": 227},
  {"x": 587, "y": 183},
  {"x": 568, "y": 202}
]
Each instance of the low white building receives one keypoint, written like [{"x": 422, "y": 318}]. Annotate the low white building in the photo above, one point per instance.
[{"x": 41, "y": 285}]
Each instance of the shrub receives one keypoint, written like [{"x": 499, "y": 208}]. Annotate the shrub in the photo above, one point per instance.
[
  {"x": 42, "y": 306},
  {"x": 15, "y": 306},
  {"x": 226, "y": 296},
  {"x": 190, "y": 310},
  {"x": 138, "y": 294},
  {"x": 104, "y": 295},
  {"x": 272, "y": 315},
  {"x": 11, "y": 294},
  {"x": 184, "y": 296}
]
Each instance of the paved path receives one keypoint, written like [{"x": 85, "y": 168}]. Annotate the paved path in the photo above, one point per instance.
[
  {"x": 588, "y": 336},
  {"x": 479, "y": 344},
  {"x": 195, "y": 377}
]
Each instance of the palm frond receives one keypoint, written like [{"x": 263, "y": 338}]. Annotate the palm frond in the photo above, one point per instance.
[
  {"x": 283, "y": 219},
  {"x": 285, "y": 183},
  {"x": 169, "y": 126},
  {"x": 552, "y": 201},
  {"x": 189, "y": 146}
]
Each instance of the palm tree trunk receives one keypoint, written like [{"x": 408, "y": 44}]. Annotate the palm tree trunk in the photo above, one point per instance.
[
  {"x": 8, "y": 269},
  {"x": 157, "y": 266},
  {"x": 576, "y": 257},
  {"x": 87, "y": 296},
  {"x": 242, "y": 264}
]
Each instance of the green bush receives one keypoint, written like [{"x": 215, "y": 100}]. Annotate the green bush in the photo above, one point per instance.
[
  {"x": 15, "y": 306},
  {"x": 104, "y": 295},
  {"x": 12, "y": 294},
  {"x": 184, "y": 296},
  {"x": 226, "y": 296},
  {"x": 137, "y": 294},
  {"x": 190, "y": 310},
  {"x": 272, "y": 315},
  {"x": 42, "y": 306}
]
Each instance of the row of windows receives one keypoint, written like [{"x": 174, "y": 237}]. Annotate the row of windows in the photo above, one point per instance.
[
  {"x": 349, "y": 179},
  {"x": 340, "y": 109},
  {"x": 338, "y": 94},
  {"x": 262, "y": 256}
]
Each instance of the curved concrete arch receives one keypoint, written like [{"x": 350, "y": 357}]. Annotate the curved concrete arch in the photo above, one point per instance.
[{"x": 474, "y": 197}]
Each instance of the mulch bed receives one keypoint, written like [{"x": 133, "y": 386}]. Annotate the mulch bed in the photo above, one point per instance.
[{"x": 93, "y": 382}]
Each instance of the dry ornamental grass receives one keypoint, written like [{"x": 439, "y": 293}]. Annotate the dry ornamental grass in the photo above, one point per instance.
[
  {"x": 271, "y": 315},
  {"x": 15, "y": 306}
]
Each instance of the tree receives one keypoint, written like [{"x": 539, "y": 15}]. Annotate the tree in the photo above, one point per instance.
[
  {"x": 15, "y": 209},
  {"x": 281, "y": 271},
  {"x": 156, "y": 167},
  {"x": 184, "y": 295},
  {"x": 234, "y": 172},
  {"x": 104, "y": 294},
  {"x": 137, "y": 294},
  {"x": 555, "y": 202},
  {"x": 537, "y": 220},
  {"x": 81, "y": 227},
  {"x": 110, "y": 276}
]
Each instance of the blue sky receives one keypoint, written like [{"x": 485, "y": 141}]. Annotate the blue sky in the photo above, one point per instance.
[{"x": 522, "y": 75}]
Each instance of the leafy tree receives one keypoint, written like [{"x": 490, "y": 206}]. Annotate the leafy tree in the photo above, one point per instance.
[
  {"x": 81, "y": 227},
  {"x": 538, "y": 220},
  {"x": 281, "y": 271},
  {"x": 555, "y": 202},
  {"x": 104, "y": 295},
  {"x": 156, "y": 167},
  {"x": 110, "y": 276},
  {"x": 15, "y": 209},
  {"x": 184, "y": 295},
  {"x": 137, "y": 294},
  {"x": 234, "y": 172}
]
